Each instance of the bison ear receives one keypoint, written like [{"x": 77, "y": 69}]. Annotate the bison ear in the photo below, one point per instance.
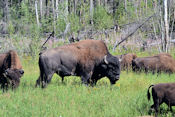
[{"x": 105, "y": 59}]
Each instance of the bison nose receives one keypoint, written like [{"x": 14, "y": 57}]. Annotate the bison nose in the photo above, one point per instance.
[{"x": 21, "y": 71}]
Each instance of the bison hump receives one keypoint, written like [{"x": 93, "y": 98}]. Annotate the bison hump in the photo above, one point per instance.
[{"x": 15, "y": 61}]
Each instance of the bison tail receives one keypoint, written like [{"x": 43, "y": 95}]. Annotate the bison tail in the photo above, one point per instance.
[{"x": 148, "y": 93}]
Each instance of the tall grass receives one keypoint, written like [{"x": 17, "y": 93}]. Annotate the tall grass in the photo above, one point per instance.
[{"x": 127, "y": 98}]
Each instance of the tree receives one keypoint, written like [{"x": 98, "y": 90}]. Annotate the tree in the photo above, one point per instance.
[{"x": 167, "y": 39}]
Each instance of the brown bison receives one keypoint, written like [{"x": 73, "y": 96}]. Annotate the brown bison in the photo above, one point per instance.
[
  {"x": 159, "y": 63},
  {"x": 126, "y": 60},
  {"x": 10, "y": 69},
  {"x": 89, "y": 59},
  {"x": 163, "y": 92}
]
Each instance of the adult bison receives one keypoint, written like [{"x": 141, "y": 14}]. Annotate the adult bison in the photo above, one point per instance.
[
  {"x": 10, "y": 69},
  {"x": 89, "y": 59},
  {"x": 159, "y": 63},
  {"x": 162, "y": 93},
  {"x": 126, "y": 60}
]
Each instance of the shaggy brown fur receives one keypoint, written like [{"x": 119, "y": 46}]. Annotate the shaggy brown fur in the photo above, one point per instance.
[
  {"x": 126, "y": 60},
  {"x": 84, "y": 59},
  {"x": 11, "y": 61},
  {"x": 159, "y": 63},
  {"x": 15, "y": 61},
  {"x": 86, "y": 51}
]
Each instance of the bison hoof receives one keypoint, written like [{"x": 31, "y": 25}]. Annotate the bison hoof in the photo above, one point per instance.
[{"x": 44, "y": 84}]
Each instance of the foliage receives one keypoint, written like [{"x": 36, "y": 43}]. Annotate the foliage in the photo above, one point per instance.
[
  {"x": 128, "y": 15},
  {"x": 74, "y": 22},
  {"x": 101, "y": 19},
  {"x": 11, "y": 29}
]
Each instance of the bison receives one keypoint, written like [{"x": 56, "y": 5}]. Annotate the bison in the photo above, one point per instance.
[
  {"x": 89, "y": 59},
  {"x": 162, "y": 93},
  {"x": 126, "y": 60},
  {"x": 12, "y": 77},
  {"x": 10, "y": 69},
  {"x": 159, "y": 63}
]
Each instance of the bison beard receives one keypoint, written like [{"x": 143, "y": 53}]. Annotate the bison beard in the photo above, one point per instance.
[
  {"x": 88, "y": 59},
  {"x": 11, "y": 77}
]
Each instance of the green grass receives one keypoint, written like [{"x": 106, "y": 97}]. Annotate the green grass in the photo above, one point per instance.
[{"x": 127, "y": 98}]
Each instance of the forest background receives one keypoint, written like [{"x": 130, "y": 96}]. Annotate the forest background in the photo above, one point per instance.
[{"x": 144, "y": 24}]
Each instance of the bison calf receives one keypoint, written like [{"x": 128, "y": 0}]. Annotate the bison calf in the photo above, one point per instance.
[{"x": 163, "y": 92}]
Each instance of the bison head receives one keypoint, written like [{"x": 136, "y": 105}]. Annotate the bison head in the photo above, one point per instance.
[
  {"x": 13, "y": 76},
  {"x": 112, "y": 68}
]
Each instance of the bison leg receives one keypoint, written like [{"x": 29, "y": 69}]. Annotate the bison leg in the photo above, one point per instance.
[
  {"x": 49, "y": 78},
  {"x": 92, "y": 82},
  {"x": 38, "y": 81},
  {"x": 157, "y": 103},
  {"x": 4, "y": 84},
  {"x": 46, "y": 80},
  {"x": 85, "y": 78},
  {"x": 3, "y": 87},
  {"x": 155, "y": 106},
  {"x": 171, "y": 109},
  {"x": 62, "y": 79}
]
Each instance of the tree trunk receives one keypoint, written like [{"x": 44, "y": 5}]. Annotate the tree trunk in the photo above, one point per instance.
[
  {"x": 53, "y": 10},
  {"x": 41, "y": 9},
  {"x": 69, "y": 6},
  {"x": 146, "y": 6},
  {"x": 166, "y": 27},
  {"x": 75, "y": 6},
  {"x": 47, "y": 9},
  {"x": 66, "y": 10},
  {"x": 6, "y": 13},
  {"x": 91, "y": 11},
  {"x": 57, "y": 9},
  {"x": 125, "y": 5},
  {"x": 36, "y": 11}
]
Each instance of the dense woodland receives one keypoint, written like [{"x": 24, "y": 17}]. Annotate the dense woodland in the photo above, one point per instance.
[{"x": 25, "y": 24}]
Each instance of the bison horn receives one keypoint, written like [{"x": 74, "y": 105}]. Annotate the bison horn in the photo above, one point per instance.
[
  {"x": 120, "y": 59},
  {"x": 105, "y": 59}
]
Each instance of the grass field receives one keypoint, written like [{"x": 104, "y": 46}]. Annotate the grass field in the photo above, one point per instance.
[{"x": 127, "y": 98}]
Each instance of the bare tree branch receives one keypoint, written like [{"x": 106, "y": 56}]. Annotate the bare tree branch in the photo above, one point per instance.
[{"x": 117, "y": 44}]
